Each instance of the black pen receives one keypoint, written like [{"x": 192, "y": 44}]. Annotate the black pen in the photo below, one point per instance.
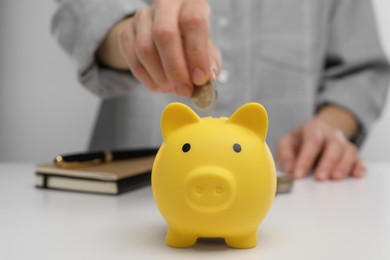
[{"x": 80, "y": 160}]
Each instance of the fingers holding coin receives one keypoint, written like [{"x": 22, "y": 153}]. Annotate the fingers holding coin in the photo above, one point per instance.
[{"x": 204, "y": 96}]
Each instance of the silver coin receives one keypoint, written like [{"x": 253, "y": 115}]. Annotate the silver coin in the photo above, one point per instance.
[{"x": 204, "y": 97}]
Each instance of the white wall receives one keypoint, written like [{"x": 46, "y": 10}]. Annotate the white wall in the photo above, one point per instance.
[
  {"x": 377, "y": 147},
  {"x": 44, "y": 111}
]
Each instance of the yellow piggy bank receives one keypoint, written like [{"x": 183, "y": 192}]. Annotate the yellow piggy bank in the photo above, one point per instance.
[{"x": 214, "y": 177}]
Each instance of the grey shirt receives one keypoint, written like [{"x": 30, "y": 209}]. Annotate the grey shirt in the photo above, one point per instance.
[{"x": 291, "y": 56}]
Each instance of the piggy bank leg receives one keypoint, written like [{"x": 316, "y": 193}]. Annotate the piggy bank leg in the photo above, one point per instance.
[
  {"x": 243, "y": 241},
  {"x": 177, "y": 239}
]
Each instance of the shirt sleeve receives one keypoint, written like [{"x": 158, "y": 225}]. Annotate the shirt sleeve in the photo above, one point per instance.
[
  {"x": 356, "y": 73},
  {"x": 80, "y": 26}
]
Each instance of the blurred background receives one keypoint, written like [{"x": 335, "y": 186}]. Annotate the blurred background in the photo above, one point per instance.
[{"x": 45, "y": 111}]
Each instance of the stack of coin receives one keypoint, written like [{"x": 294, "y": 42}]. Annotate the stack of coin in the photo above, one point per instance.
[
  {"x": 204, "y": 97},
  {"x": 284, "y": 184}
]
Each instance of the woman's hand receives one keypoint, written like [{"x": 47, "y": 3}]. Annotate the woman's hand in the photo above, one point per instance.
[
  {"x": 166, "y": 46},
  {"x": 322, "y": 145}
]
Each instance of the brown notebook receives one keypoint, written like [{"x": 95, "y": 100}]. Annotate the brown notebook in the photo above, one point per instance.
[{"x": 108, "y": 178}]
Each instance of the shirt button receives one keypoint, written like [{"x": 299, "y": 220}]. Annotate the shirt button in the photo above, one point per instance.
[
  {"x": 223, "y": 76},
  {"x": 223, "y": 21}
]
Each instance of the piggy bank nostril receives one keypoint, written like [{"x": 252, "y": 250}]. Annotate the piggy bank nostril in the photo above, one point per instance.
[
  {"x": 218, "y": 190},
  {"x": 199, "y": 190}
]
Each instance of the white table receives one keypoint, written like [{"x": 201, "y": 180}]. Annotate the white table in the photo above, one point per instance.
[{"x": 333, "y": 220}]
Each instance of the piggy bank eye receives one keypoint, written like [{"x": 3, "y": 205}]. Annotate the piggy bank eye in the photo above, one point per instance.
[
  {"x": 186, "y": 147},
  {"x": 237, "y": 147}
]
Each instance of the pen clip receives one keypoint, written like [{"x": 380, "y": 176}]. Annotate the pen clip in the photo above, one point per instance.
[{"x": 61, "y": 163}]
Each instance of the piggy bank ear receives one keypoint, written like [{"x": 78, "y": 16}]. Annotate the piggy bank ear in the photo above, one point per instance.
[
  {"x": 252, "y": 116},
  {"x": 176, "y": 115}
]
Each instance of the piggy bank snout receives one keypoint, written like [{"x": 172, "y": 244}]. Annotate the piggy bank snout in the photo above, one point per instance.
[{"x": 210, "y": 188}]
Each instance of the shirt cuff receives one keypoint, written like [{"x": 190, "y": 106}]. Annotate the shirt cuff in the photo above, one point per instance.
[
  {"x": 355, "y": 100},
  {"x": 80, "y": 27}
]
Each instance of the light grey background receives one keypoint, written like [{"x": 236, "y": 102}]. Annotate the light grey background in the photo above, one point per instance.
[{"x": 44, "y": 111}]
